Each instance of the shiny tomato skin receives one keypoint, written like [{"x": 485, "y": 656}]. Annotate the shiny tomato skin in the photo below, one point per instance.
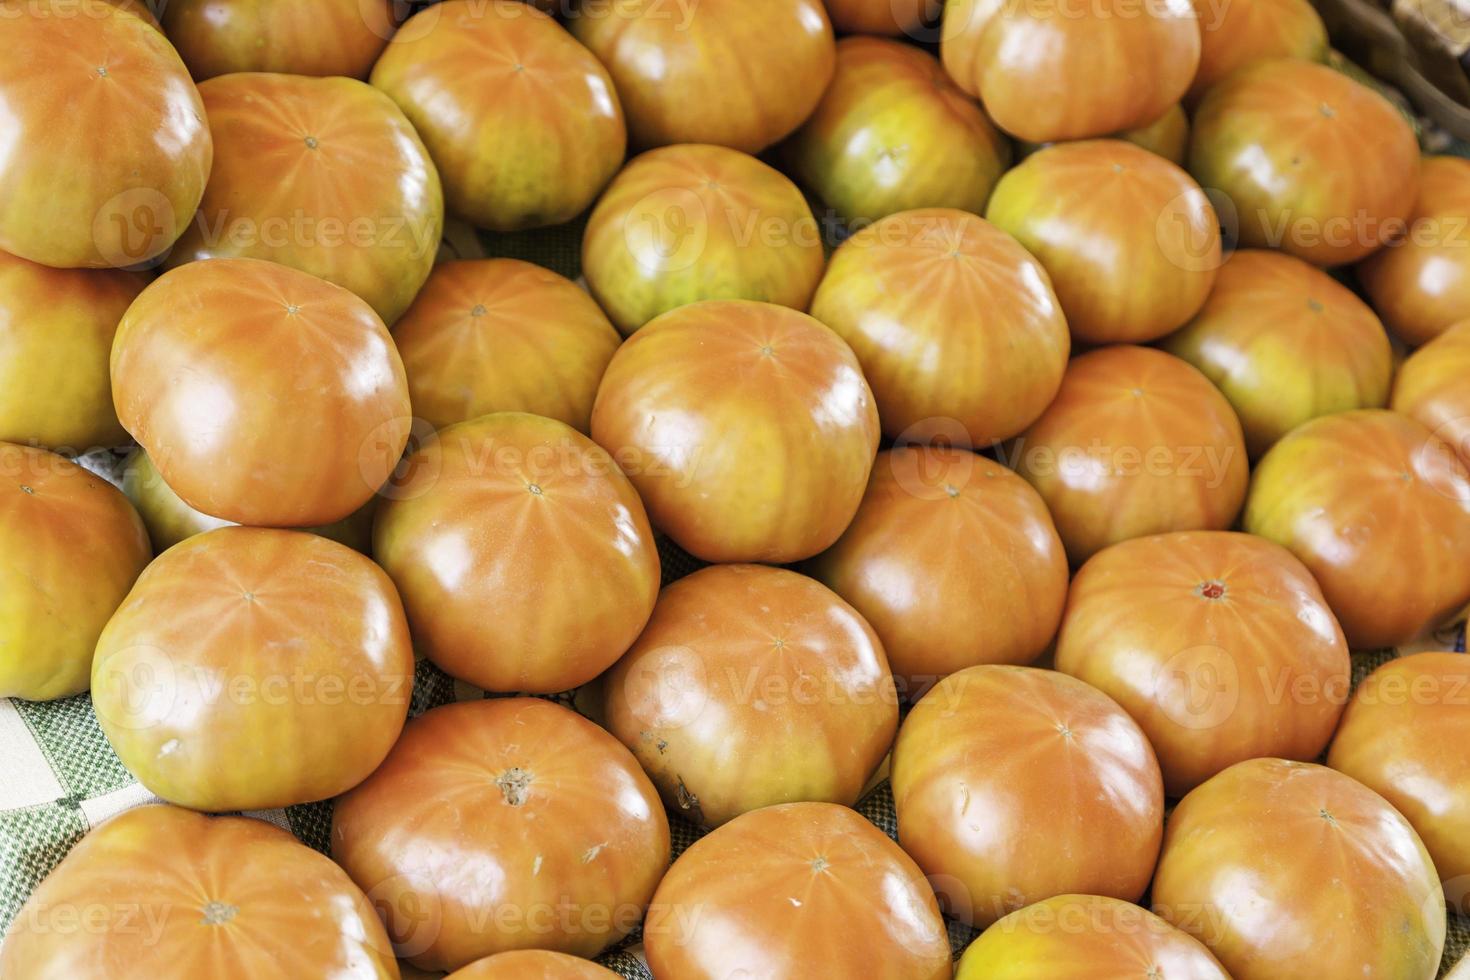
[
  {"x": 264, "y": 395},
  {"x": 512, "y": 803},
  {"x": 1130, "y": 241},
  {"x": 1048, "y": 71},
  {"x": 893, "y": 133},
  {"x": 782, "y": 888},
  {"x": 1317, "y": 849},
  {"x": 56, "y": 330},
  {"x": 526, "y": 516},
  {"x": 736, "y": 73},
  {"x": 1013, "y": 785},
  {"x": 1242, "y": 32},
  {"x": 246, "y": 644},
  {"x": 70, "y": 548},
  {"x": 1166, "y": 136},
  {"x": 1430, "y": 388},
  {"x": 784, "y": 694},
  {"x": 1220, "y": 645},
  {"x": 291, "y": 184},
  {"x": 954, "y": 561},
  {"x": 102, "y": 98},
  {"x": 326, "y": 37},
  {"x": 1311, "y": 161},
  {"x": 1137, "y": 442},
  {"x": 521, "y": 120},
  {"x": 187, "y": 895},
  {"x": 688, "y": 223},
  {"x": 1285, "y": 343},
  {"x": 501, "y": 335},
  {"x": 1378, "y": 508},
  {"x": 746, "y": 427},
  {"x": 882, "y": 17},
  {"x": 956, "y": 325},
  {"x": 532, "y": 964}
]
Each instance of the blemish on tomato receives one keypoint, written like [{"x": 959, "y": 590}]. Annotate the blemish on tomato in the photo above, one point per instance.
[
  {"x": 1213, "y": 589},
  {"x": 311, "y": 143},
  {"x": 819, "y": 865},
  {"x": 26, "y": 489},
  {"x": 479, "y": 310},
  {"x": 512, "y": 785},
  {"x": 217, "y": 913}
]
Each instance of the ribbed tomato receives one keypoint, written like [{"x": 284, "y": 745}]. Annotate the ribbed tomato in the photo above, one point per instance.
[
  {"x": 1285, "y": 342},
  {"x": 503, "y": 824},
  {"x": 1266, "y": 862},
  {"x": 1167, "y": 136},
  {"x": 501, "y": 335},
  {"x": 532, "y": 964},
  {"x": 895, "y": 17},
  {"x": 1379, "y": 509},
  {"x": 1137, "y": 442},
  {"x": 325, "y": 37},
  {"x": 955, "y": 324},
  {"x": 263, "y": 395},
  {"x": 753, "y": 686},
  {"x": 521, "y": 120},
  {"x": 774, "y": 892},
  {"x": 746, "y": 427},
  {"x": 100, "y": 97},
  {"x": 1013, "y": 785},
  {"x": 158, "y": 891},
  {"x": 1242, "y": 32},
  {"x": 1430, "y": 387},
  {"x": 1131, "y": 242},
  {"x": 526, "y": 516},
  {"x": 688, "y": 223}
]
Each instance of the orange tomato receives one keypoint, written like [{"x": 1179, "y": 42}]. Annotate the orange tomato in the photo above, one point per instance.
[
  {"x": 138, "y": 7},
  {"x": 70, "y": 548},
  {"x": 746, "y": 427},
  {"x": 326, "y": 37},
  {"x": 955, "y": 324},
  {"x": 500, "y": 335},
  {"x": 1285, "y": 342},
  {"x": 1052, "y": 71},
  {"x": 532, "y": 964},
  {"x": 1311, "y": 161},
  {"x": 1430, "y": 387},
  {"x": 1137, "y": 442},
  {"x": 1242, "y": 32},
  {"x": 521, "y": 120},
  {"x": 738, "y": 73},
  {"x": 526, "y": 516},
  {"x": 775, "y": 891},
  {"x": 893, "y": 17},
  {"x": 503, "y": 824},
  {"x": 263, "y": 395},
  {"x": 1013, "y": 785},
  {"x": 688, "y": 223},
  {"x": 1378, "y": 508},
  {"x": 954, "y": 561},
  {"x": 752, "y": 686},
  {"x": 893, "y": 133},
  {"x": 1130, "y": 241},
  {"x": 1167, "y": 136},
  {"x": 160, "y": 892},
  {"x": 99, "y": 96},
  {"x": 1266, "y": 861}
]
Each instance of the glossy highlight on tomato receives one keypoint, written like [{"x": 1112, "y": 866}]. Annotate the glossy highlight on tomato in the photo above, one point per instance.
[{"x": 322, "y": 38}]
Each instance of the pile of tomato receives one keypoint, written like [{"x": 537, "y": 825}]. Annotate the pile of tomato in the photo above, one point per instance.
[{"x": 1051, "y": 500}]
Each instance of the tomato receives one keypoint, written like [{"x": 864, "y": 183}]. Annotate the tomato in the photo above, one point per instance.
[
  {"x": 494, "y": 825},
  {"x": 1243, "y": 32},
  {"x": 56, "y": 329},
  {"x": 1421, "y": 282},
  {"x": 893, "y": 133},
  {"x": 1166, "y": 136},
  {"x": 1285, "y": 342},
  {"x": 1266, "y": 861},
  {"x": 1055, "y": 71},
  {"x": 746, "y": 427},
  {"x": 1430, "y": 387},
  {"x": 100, "y": 97},
  {"x": 1130, "y": 241},
  {"x": 1378, "y": 509},
  {"x": 752, "y": 686},
  {"x": 532, "y": 964},
  {"x": 778, "y": 890},
  {"x": 1013, "y": 785},
  {"x": 158, "y": 892},
  {"x": 326, "y": 37},
  {"x": 1311, "y": 161},
  {"x": 500, "y": 335},
  {"x": 687, "y": 223},
  {"x": 1137, "y": 442},
  {"x": 263, "y": 395},
  {"x": 521, "y": 120},
  {"x": 70, "y": 548},
  {"x": 291, "y": 184},
  {"x": 137, "y": 7},
  {"x": 890, "y": 17},
  {"x": 737, "y": 73},
  {"x": 1404, "y": 737},
  {"x": 954, "y": 561},
  {"x": 1087, "y": 937},
  {"x": 526, "y": 516}
]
